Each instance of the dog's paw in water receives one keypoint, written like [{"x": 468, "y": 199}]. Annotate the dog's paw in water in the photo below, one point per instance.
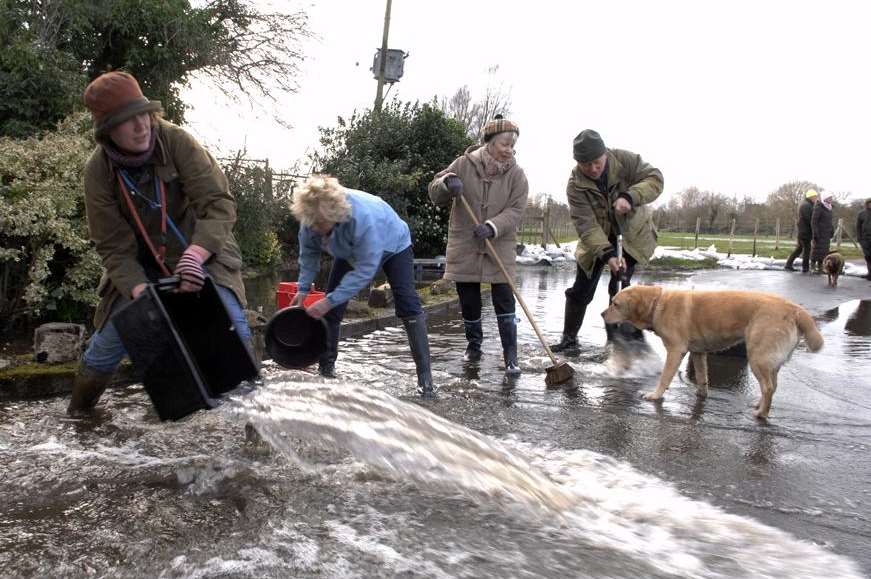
[
  {"x": 651, "y": 396},
  {"x": 758, "y": 414}
]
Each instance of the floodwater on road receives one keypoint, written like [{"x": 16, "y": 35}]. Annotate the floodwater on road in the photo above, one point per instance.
[{"x": 361, "y": 479}]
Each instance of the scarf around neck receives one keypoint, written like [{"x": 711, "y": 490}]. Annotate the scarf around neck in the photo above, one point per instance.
[
  {"x": 827, "y": 201},
  {"x": 492, "y": 167},
  {"x": 122, "y": 158}
]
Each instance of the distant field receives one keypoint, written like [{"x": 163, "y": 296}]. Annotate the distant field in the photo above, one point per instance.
[
  {"x": 741, "y": 244},
  {"x": 744, "y": 245}
]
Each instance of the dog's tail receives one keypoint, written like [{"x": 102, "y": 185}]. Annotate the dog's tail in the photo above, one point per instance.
[{"x": 808, "y": 328}]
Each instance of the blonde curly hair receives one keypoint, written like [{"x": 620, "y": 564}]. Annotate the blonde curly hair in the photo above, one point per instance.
[{"x": 320, "y": 198}]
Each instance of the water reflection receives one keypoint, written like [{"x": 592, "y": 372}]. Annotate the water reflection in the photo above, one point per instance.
[
  {"x": 859, "y": 323},
  {"x": 763, "y": 450},
  {"x": 848, "y": 332},
  {"x": 730, "y": 372}
]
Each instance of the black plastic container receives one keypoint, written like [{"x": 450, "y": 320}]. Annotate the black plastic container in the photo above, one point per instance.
[
  {"x": 184, "y": 348},
  {"x": 294, "y": 339}
]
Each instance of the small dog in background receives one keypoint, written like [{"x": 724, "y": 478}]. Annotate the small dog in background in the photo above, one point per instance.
[{"x": 833, "y": 266}]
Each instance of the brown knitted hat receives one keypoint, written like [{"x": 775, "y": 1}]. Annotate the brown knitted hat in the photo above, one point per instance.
[
  {"x": 499, "y": 125},
  {"x": 113, "y": 98}
]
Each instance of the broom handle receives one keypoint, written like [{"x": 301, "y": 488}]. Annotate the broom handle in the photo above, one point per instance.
[{"x": 510, "y": 282}]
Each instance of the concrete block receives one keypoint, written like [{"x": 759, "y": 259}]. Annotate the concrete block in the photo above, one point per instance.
[{"x": 58, "y": 342}]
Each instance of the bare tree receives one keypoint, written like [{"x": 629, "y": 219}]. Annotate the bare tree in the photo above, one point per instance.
[
  {"x": 475, "y": 114},
  {"x": 461, "y": 107},
  {"x": 259, "y": 52},
  {"x": 244, "y": 48},
  {"x": 715, "y": 210},
  {"x": 496, "y": 101},
  {"x": 784, "y": 201}
]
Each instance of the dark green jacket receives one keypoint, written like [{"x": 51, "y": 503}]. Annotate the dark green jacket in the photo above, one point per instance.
[
  {"x": 591, "y": 209},
  {"x": 198, "y": 201},
  {"x": 805, "y": 213},
  {"x": 863, "y": 227},
  {"x": 821, "y": 223}
]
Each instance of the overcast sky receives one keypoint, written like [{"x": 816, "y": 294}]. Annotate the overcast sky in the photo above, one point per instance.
[{"x": 735, "y": 96}]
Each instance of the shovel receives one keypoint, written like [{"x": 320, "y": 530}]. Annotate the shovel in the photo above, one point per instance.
[
  {"x": 621, "y": 273},
  {"x": 560, "y": 372},
  {"x": 624, "y": 334}
]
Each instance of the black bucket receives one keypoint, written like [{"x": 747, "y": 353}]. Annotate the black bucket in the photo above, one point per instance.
[
  {"x": 184, "y": 348},
  {"x": 294, "y": 339}
]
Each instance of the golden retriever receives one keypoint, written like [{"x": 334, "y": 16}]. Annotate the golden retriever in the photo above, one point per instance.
[
  {"x": 711, "y": 321},
  {"x": 833, "y": 265}
]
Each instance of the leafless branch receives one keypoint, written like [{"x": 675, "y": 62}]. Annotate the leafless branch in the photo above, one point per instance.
[
  {"x": 474, "y": 115},
  {"x": 254, "y": 54}
]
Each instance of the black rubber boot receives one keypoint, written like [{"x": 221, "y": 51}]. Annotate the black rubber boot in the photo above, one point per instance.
[
  {"x": 508, "y": 335},
  {"x": 791, "y": 259},
  {"x": 327, "y": 368},
  {"x": 418, "y": 340},
  {"x": 475, "y": 337},
  {"x": 623, "y": 331},
  {"x": 574, "y": 317},
  {"x": 327, "y": 361},
  {"x": 868, "y": 265},
  {"x": 89, "y": 385}
]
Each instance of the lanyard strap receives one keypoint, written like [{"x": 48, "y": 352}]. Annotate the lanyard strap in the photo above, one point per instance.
[
  {"x": 159, "y": 254},
  {"x": 158, "y": 184}
]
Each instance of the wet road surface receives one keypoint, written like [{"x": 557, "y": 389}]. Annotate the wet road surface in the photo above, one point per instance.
[{"x": 124, "y": 495}]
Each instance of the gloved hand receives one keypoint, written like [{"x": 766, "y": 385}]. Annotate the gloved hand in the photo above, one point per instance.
[
  {"x": 617, "y": 266},
  {"x": 454, "y": 185},
  {"x": 190, "y": 270},
  {"x": 484, "y": 231},
  {"x": 622, "y": 206}
]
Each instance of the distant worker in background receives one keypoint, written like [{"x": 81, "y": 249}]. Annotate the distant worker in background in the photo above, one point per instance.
[
  {"x": 495, "y": 186},
  {"x": 363, "y": 234},
  {"x": 822, "y": 229},
  {"x": 804, "y": 234},
  {"x": 609, "y": 190},
  {"x": 863, "y": 234}
]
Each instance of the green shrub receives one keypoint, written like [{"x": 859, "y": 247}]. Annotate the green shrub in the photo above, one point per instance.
[
  {"x": 260, "y": 213},
  {"x": 39, "y": 86},
  {"x": 394, "y": 154},
  {"x": 46, "y": 261}
]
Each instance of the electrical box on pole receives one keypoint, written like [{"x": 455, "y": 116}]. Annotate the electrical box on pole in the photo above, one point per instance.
[{"x": 394, "y": 67}]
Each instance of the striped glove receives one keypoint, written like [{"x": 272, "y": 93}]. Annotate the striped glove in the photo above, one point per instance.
[{"x": 190, "y": 271}]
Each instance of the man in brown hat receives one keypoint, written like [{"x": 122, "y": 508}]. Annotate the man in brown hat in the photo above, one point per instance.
[
  {"x": 157, "y": 204},
  {"x": 609, "y": 192}
]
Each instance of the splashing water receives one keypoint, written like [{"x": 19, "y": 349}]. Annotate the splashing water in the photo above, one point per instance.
[
  {"x": 401, "y": 439},
  {"x": 602, "y": 502}
]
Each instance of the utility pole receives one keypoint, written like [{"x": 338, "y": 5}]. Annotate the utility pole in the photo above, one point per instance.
[{"x": 382, "y": 64}]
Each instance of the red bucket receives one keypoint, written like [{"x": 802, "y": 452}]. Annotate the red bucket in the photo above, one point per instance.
[{"x": 286, "y": 291}]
